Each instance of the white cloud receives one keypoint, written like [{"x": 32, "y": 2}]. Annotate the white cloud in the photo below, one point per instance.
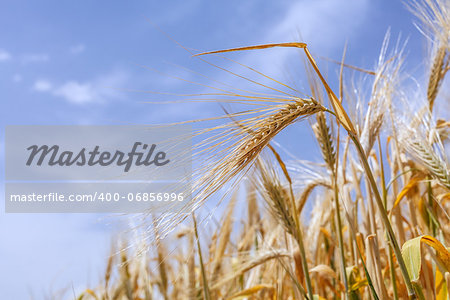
[
  {"x": 77, "y": 49},
  {"x": 42, "y": 85},
  {"x": 35, "y": 58},
  {"x": 4, "y": 55},
  {"x": 98, "y": 90},
  {"x": 76, "y": 92}
]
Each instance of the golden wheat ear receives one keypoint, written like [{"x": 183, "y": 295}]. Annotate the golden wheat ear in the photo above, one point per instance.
[{"x": 341, "y": 115}]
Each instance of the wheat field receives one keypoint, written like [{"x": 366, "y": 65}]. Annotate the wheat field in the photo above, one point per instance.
[{"x": 379, "y": 226}]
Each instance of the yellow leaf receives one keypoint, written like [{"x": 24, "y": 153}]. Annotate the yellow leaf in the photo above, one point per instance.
[
  {"x": 441, "y": 286},
  {"x": 249, "y": 291},
  {"x": 355, "y": 281},
  {"x": 325, "y": 232},
  {"x": 87, "y": 292},
  {"x": 411, "y": 184},
  {"x": 423, "y": 210},
  {"x": 411, "y": 252},
  {"x": 359, "y": 284},
  {"x": 441, "y": 252}
]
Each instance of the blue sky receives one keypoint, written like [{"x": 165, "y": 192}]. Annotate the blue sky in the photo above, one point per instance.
[{"x": 76, "y": 62}]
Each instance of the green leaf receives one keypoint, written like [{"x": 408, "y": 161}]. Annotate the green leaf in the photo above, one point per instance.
[{"x": 411, "y": 252}]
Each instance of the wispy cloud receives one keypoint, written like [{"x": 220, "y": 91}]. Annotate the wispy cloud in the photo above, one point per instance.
[
  {"x": 4, "y": 55},
  {"x": 42, "y": 85},
  {"x": 77, "y": 92},
  {"x": 101, "y": 89},
  {"x": 180, "y": 11},
  {"x": 324, "y": 25},
  {"x": 77, "y": 49}
]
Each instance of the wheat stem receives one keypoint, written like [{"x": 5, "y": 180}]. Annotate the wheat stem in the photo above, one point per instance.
[
  {"x": 323, "y": 136},
  {"x": 206, "y": 292},
  {"x": 348, "y": 125},
  {"x": 384, "y": 216},
  {"x": 390, "y": 258}
]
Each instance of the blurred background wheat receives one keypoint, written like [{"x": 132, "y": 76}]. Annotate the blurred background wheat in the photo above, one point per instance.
[{"x": 379, "y": 224}]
